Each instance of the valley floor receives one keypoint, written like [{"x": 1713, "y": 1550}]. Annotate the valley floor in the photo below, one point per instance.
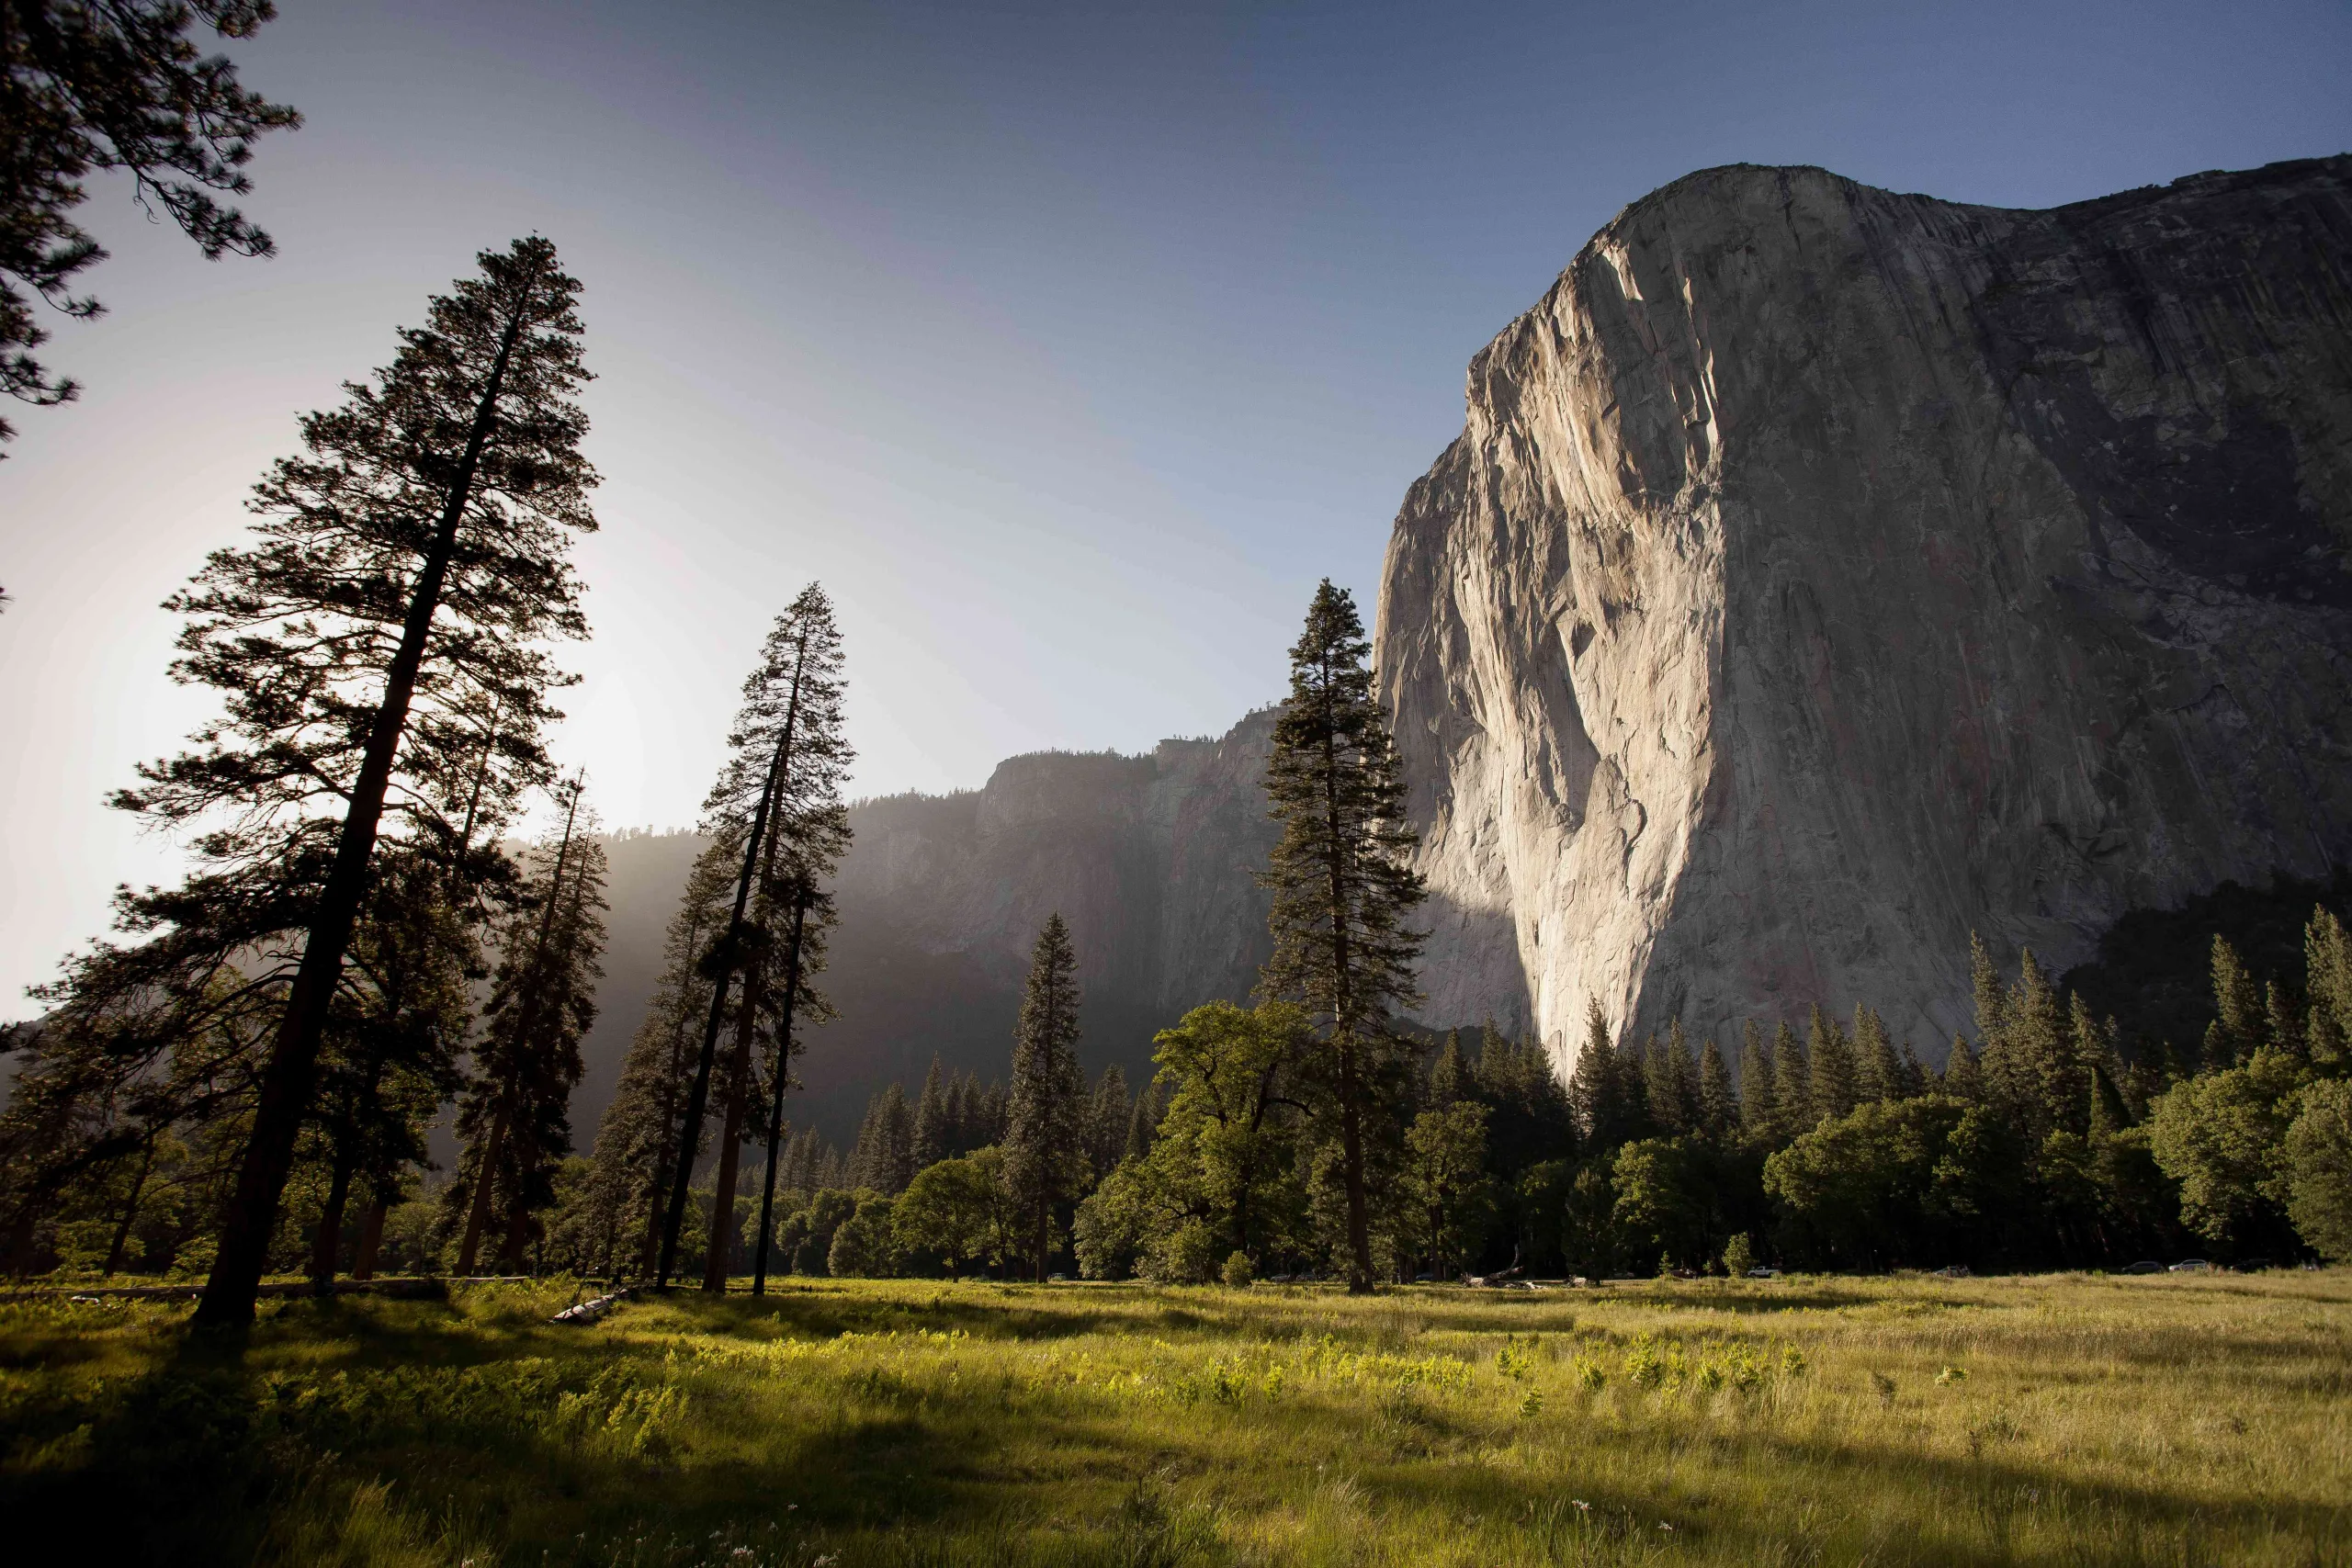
[{"x": 2059, "y": 1419}]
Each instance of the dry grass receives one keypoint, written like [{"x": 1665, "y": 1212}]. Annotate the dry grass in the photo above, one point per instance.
[{"x": 2062, "y": 1419}]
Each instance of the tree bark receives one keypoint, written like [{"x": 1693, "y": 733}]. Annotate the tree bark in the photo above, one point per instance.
[
  {"x": 717, "y": 1266},
  {"x": 371, "y": 1240},
  {"x": 252, "y": 1214},
  {"x": 782, "y": 1078},
  {"x": 494, "y": 1150},
  {"x": 327, "y": 1245}
]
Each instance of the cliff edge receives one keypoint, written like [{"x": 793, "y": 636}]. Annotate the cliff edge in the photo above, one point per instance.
[{"x": 1823, "y": 573}]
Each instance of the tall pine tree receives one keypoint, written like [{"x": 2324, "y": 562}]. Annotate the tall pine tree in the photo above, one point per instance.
[
  {"x": 514, "y": 1116},
  {"x": 408, "y": 569},
  {"x": 800, "y": 661},
  {"x": 1043, "y": 1153},
  {"x": 1343, "y": 891}
]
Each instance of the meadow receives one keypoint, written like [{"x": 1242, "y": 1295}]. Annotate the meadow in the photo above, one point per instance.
[{"x": 2055, "y": 1419}]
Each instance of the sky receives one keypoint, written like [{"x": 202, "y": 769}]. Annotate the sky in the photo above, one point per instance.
[{"x": 1069, "y": 345}]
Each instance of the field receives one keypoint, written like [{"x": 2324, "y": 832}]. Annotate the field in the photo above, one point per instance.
[{"x": 2066, "y": 1419}]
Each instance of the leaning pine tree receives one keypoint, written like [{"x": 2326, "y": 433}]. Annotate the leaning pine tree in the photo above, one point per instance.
[
  {"x": 409, "y": 567},
  {"x": 1342, "y": 890},
  {"x": 513, "y": 1116},
  {"x": 637, "y": 1141},
  {"x": 757, "y": 790},
  {"x": 1044, "y": 1136}
]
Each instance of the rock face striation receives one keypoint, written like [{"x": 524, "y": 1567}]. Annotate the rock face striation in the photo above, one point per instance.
[{"x": 1825, "y": 573}]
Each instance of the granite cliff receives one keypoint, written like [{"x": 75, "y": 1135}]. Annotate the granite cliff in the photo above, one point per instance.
[
  {"x": 1823, "y": 573},
  {"x": 1151, "y": 859}
]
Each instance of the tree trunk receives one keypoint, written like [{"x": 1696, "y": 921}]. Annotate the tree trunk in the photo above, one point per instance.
[
  {"x": 493, "y": 1149},
  {"x": 697, "y": 1097},
  {"x": 371, "y": 1240},
  {"x": 129, "y": 1211},
  {"x": 783, "y": 1079},
  {"x": 327, "y": 1245},
  {"x": 252, "y": 1214},
  {"x": 719, "y": 1264}
]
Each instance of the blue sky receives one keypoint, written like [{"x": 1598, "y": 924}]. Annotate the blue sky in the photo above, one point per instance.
[{"x": 1069, "y": 345}]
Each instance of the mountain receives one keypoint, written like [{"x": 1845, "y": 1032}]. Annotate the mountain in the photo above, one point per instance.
[
  {"x": 1823, "y": 573},
  {"x": 1151, "y": 859}
]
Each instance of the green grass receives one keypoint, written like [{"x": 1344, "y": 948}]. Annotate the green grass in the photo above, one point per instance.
[{"x": 2065, "y": 1419}]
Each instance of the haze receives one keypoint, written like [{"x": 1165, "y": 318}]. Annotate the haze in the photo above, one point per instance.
[{"x": 1067, "y": 345}]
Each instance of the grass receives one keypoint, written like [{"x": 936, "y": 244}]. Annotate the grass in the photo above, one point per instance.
[{"x": 2065, "y": 1419}]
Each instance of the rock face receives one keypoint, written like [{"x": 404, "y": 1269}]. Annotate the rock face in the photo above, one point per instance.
[
  {"x": 1825, "y": 573},
  {"x": 1151, "y": 859}
]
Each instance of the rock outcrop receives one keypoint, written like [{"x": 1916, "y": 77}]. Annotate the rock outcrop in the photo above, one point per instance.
[{"x": 1825, "y": 573}]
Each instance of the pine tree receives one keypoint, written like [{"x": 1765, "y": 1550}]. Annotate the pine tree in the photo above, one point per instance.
[
  {"x": 1042, "y": 1149},
  {"x": 2236, "y": 1032},
  {"x": 777, "y": 794},
  {"x": 1106, "y": 1122},
  {"x": 1878, "y": 1071},
  {"x": 1962, "y": 1077},
  {"x": 1342, "y": 889},
  {"x": 114, "y": 85},
  {"x": 1448, "y": 1079},
  {"x": 1759, "y": 1106},
  {"x": 387, "y": 1056},
  {"x": 931, "y": 1124},
  {"x": 2033, "y": 1076},
  {"x": 789, "y": 939},
  {"x": 884, "y": 1158},
  {"x": 2327, "y": 971},
  {"x": 514, "y": 1117},
  {"x": 408, "y": 568},
  {"x": 636, "y": 1141},
  {"x": 1718, "y": 1107},
  {"x": 1793, "y": 1085},
  {"x": 1834, "y": 1075}
]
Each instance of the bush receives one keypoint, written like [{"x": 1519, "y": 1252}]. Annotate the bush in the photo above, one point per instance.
[{"x": 1186, "y": 1256}]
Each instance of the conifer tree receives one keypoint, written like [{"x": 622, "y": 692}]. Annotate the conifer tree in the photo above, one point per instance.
[
  {"x": 1042, "y": 1149},
  {"x": 1793, "y": 1085},
  {"x": 1449, "y": 1078},
  {"x": 388, "y": 1058},
  {"x": 1834, "y": 1076},
  {"x": 2236, "y": 1032},
  {"x": 1759, "y": 1106},
  {"x": 793, "y": 691},
  {"x": 930, "y": 1132},
  {"x": 882, "y": 1160},
  {"x": 407, "y": 571},
  {"x": 636, "y": 1141},
  {"x": 515, "y": 1116},
  {"x": 1342, "y": 890},
  {"x": 789, "y": 939},
  {"x": 1718, "y": 1109},
  {"x": 1604, "y": 1088},
  {"x": 1962, "y": 1077},
  {"x": 114, "y": 84},
  {"x": 1878, "y": 1071},
  {"x": 1106, "y": 1120}
]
